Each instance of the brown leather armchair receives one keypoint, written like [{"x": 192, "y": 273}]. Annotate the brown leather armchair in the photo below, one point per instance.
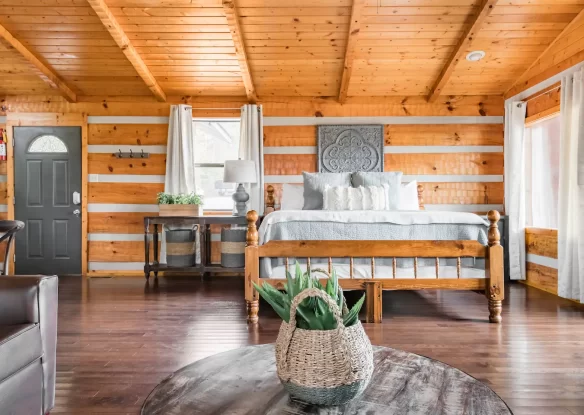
[{"x": 28, "y": 344}]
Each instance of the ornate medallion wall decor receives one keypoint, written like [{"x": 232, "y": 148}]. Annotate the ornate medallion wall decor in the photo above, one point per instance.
[{"x": 348, "y": 148}]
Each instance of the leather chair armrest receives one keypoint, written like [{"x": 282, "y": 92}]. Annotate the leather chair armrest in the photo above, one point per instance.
[{"x": 34, "y": 299}]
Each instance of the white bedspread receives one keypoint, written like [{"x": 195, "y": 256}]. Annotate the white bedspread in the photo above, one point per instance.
[{"x": 420, "y": 217}]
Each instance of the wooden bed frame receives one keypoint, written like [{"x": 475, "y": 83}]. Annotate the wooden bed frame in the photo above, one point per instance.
[{"x": 492, "y": 284}]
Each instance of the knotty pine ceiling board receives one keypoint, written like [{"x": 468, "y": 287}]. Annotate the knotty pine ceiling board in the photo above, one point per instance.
[
  {"x": 70, "y": 38},
  {"x": 295, "y": 48},
  {"x": 186, "y": 44}
]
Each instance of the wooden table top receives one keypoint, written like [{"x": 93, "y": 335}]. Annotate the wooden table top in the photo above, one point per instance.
[{"x": 244, "y": 381}]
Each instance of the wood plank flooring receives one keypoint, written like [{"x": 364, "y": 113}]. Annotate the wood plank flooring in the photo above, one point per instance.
[{"x": 119, "y": 337}]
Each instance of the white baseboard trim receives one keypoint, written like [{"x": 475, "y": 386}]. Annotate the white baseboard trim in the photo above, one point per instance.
[{"x": 115, "y": 266}]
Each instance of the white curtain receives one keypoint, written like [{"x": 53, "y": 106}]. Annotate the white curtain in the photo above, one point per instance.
[
  {"x": 251, "y": 147},
  {"x": 515, "y": 186},
  {"x": 571, "y": 203},
  {"x": 180, "y": 158},
  {"x": 180, "y": 155}
]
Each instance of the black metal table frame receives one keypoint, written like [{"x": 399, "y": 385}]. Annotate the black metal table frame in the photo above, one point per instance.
[{"x": 203, "y": 224}]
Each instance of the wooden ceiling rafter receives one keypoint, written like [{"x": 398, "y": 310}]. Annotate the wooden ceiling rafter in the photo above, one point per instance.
[
  {"x": 232, "y": 16},
  {"x": 354, "y": 29},
  {"x": 122, "y": 40},
  {"x": 47, "y": 74},
  {"x": 484, "y": 10},
  {"x": 514, "y": 89}
]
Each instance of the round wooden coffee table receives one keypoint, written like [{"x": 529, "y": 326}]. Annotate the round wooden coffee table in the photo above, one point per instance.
[{"x": 244, "y": 381}]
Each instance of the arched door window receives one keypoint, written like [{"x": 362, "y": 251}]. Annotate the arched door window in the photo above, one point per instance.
[{"x": 47, "y": 144}]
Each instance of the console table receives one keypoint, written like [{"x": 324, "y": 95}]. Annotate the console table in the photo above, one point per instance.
[{"x": 203, "y": 224}]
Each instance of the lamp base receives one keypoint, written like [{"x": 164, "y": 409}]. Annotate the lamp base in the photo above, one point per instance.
[{"x": 240, "y": 197}]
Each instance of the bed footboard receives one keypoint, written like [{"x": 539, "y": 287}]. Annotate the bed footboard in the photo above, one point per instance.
[{"x": 492, "y": 284}]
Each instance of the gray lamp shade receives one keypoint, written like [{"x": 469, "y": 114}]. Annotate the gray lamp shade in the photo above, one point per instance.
[{"x": 239, "y": 171}]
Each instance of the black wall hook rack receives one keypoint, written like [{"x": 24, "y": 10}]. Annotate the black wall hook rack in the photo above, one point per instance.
[{"x": 131, "y": 155}]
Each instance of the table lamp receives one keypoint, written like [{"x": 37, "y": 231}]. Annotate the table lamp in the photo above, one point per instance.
[{"x": 240, "y": 171}]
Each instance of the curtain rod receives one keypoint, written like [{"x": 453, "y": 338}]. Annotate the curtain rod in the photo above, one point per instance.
[{"x": 542, "y": 92}]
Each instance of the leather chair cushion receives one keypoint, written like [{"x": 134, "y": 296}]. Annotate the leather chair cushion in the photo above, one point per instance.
[{"x": 20, "y": 344}]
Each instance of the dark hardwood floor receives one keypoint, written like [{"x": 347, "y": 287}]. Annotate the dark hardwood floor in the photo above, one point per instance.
[{"x": 119, "y": 337}]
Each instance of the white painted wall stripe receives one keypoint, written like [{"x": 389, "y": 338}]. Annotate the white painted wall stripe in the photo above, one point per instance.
[
  {"x": 115, "y": 266},
  {"x": 291, "y": 121},
  {"x": 543, "y": 260},
  {"x": 428, "y": 178},
  {"x": 3, "y": 208},
  {"x": 130, "y": 119},
  {"x": 125, "y": 178},
  {"x": 126, "y": 149},
  {"x": 3, "y": 119},
  {"x": 394, "y": 149},
  {"x": 3, "y": 178},
  {"x": 464, "y": 208},
  {"x": 441, "y": 149},
  {"x": 121, "y": 207},
  {"x": 290, "y": 150}
]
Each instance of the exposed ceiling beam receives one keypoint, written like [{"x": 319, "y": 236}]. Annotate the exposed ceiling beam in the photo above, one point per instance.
[
  {"x": 230, "y": 10},
  {"x": 485, "y": 8},
  {"x": 119, "y": 36},
  {"x": 515, "y": 89},
  {"x": 47, "y": 73},
  {"x": 354, "y": 28}
]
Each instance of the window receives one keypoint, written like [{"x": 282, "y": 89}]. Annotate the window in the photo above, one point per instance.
[
  {"x": 47, "y": 144},
  {"x": 542, "y": 173},
  {"x": 215, "y": 142}
]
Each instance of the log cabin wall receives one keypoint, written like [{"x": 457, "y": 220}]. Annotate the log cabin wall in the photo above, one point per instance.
[
  {"x": 542, "y": 259},
  {"x": 454, "y": 147}
]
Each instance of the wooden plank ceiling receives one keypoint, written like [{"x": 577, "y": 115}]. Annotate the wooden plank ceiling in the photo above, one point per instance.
[{"x": 293, "y": 48}]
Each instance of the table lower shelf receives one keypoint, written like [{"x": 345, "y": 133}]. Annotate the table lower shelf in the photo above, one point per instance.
[{"x": 195, "y": 268}]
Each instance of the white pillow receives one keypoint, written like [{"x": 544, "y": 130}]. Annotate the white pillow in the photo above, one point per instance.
[
  {"x": 292, "y": 197},
  {"x": 354, "y": 198},
  {"x": 409, "y": 196}
]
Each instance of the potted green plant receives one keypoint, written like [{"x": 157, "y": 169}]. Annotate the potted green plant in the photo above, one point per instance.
[
  {"x": 180, "y": 204},
  {"x": 323, "y": 355}
]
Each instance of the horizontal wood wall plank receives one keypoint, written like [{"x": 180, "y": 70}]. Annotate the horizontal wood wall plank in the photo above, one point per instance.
[
  {"x": 290, "y": 136},
  {"x": 127, "y": 134},
  {"x": 443, "y": 135},
  {"x": 542, "y": 277},
  {"x": 446, "y": 163},
  {"x": 143, "y": 193},
  {"x": 117, "y": 222},
  {"x": 108, "y": 163},
  {"x": 542, "y": 242},
  {"x": 116, "y": 251}
]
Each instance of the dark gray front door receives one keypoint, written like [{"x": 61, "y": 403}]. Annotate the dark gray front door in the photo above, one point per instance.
[{"x": 47, "y": 179}]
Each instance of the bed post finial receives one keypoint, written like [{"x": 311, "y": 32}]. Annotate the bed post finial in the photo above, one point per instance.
[
  {"x": 252, "y": 230},
  {"x": 421, "y": 196},
  {"x": 270, "y": 200},
  {"x": 494, "y": 235}
]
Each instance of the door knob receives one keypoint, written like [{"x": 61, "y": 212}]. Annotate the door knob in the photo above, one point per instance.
[{"x": 77, "y": 212}]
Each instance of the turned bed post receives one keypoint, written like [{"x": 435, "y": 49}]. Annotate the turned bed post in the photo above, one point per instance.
[
  {"x": 270, "y": 200},
  {"x": 252, "y": 268},
  {"x": 421, "y": 196},
  {"x": 495, "y": 284}
]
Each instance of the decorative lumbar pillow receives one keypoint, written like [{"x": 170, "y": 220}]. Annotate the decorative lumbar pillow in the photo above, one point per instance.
[
  {"x": 409, "y": 196},
  {"x": 314, "y": 184},
  {"x": 390, "y": 180},
  {"x": 354, "y": 198},
  {"x": 292, "y": 197}
]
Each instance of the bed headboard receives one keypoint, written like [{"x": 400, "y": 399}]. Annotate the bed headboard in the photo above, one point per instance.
[{"x": 271, "y": 200}]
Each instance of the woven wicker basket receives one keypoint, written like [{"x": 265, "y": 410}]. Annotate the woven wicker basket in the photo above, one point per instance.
[{"x": 323, "y": 367}]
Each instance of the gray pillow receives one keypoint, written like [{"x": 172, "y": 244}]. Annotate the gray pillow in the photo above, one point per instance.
[
  {"x": 314, "y": 184},
  {"x": 391, "y": 178}
]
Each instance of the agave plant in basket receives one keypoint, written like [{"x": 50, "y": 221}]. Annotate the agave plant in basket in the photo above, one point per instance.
[
  {"x": 323, "y": 355},
  {"x": 313, "y": 313}
]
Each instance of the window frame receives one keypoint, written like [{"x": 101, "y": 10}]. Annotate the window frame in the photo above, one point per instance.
[{"x": 214, "y": 165}]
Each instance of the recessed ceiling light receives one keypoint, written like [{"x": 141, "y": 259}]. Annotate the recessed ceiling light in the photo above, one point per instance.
[{"x": 475, "y": 56}]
